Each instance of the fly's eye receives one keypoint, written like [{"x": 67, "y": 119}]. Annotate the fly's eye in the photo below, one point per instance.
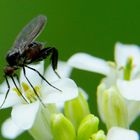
[
  {"x": 14, "y": 55},
  {"x": 12, "y": 58}
]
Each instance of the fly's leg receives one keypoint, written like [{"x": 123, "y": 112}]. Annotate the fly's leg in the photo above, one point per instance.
[
  {"x": 15, "y": 75},
  {"x": 24, "y": 71},
  {"x": 8, "y": 85},
  {"x": 53, "y": 53},
  {"x": 42, "y": 77},
  {"x": 18, "y": 89}
]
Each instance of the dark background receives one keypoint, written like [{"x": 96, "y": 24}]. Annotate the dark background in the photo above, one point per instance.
[{"x": 77, "y": 25}]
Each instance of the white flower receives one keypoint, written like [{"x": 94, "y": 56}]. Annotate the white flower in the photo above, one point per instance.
[
  {"x": 123, "y": 74},
  {"x": 117, "y": 133},
  {"x": 32, "y": 116}
]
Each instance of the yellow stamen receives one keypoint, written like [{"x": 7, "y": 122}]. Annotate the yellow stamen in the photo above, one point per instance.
[
  {"x": 31, "y": 96},
  {"x": 16, "y": 90},
  {"x": 37, "y": 89},
  {"x": 25, "y": 86},
  {"x": 30, "y": 93}
]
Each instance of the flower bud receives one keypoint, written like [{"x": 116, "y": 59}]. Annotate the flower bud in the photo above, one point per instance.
[
  {"x": 112, "y": 107},
  {"x": 88, "y": 126},
  {"x": 98, "y": 136},
  {"x": 75, "y": 110},
  {"x": 62, "y": 128}
]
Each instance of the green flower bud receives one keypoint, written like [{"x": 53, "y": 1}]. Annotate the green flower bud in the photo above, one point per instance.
[
  {"x": 75, "y": 110},
  {"x": 98, "y": 136},
  {"x": 62, "y": 128},
  {"x": 112, "y": 107},
  {"x": 88, "y": 126}
]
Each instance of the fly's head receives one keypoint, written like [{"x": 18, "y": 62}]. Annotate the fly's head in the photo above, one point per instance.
[
  {"x": 13, "y": 58},
  {"x": 9, "y": 70}
]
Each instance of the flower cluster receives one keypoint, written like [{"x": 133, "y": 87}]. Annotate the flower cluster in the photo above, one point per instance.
[
  {"x": 118, "y": 93},
  {"x": 60, "y": 111},
  {"x": 30, "y": 116}
]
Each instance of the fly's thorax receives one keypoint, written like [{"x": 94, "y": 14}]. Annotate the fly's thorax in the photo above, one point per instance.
[{"x": 33, "y": 51}]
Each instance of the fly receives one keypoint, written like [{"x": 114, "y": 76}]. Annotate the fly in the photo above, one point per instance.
[{"x": 26, "y": 51}]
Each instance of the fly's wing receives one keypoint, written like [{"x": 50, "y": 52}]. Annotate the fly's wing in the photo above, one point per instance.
[{"x": 29, "y": 33}]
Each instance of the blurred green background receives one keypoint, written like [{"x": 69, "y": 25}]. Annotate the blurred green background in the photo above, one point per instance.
[{"x": 77, "y": 25}]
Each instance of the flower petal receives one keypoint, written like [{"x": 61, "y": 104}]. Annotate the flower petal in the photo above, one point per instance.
[
  {"x": 4, "y": 86},
  {"x": 133, "y": 110},
  {"x": 117, "y": 133},
  {"x": 34, "y": 78},
  {"x": 100, "y": 102},
  {"x": 63, "y": 69},
  {"x": 129, "y": 89},
  {"x": 83, "y": 92},
  {"x": 87, "y": 62},
  {"x": 67, "y": 86},
  {"x": 10, "y": 130},
  {"x": 12, "y": 98},
  {"x": 123, "y": 52},
  {"x": 41, "y": 128},
  {"x": 24, "y": 115}
]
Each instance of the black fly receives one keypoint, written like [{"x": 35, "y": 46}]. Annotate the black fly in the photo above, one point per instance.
[{"x": 26, "y": 51}]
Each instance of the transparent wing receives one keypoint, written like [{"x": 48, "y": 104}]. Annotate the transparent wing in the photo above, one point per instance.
[{"x": 29, "y": 33}]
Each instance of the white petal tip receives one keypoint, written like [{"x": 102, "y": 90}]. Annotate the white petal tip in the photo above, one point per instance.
[
  {"x": 67, "y": 86},
  {"x": 10, "y": 130},
  {"x": 129, "y": 89},
  {"x": 117, "y": 133},
  {"x": 90, "y": 63},
  {"x": 25, "y": 115}
]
